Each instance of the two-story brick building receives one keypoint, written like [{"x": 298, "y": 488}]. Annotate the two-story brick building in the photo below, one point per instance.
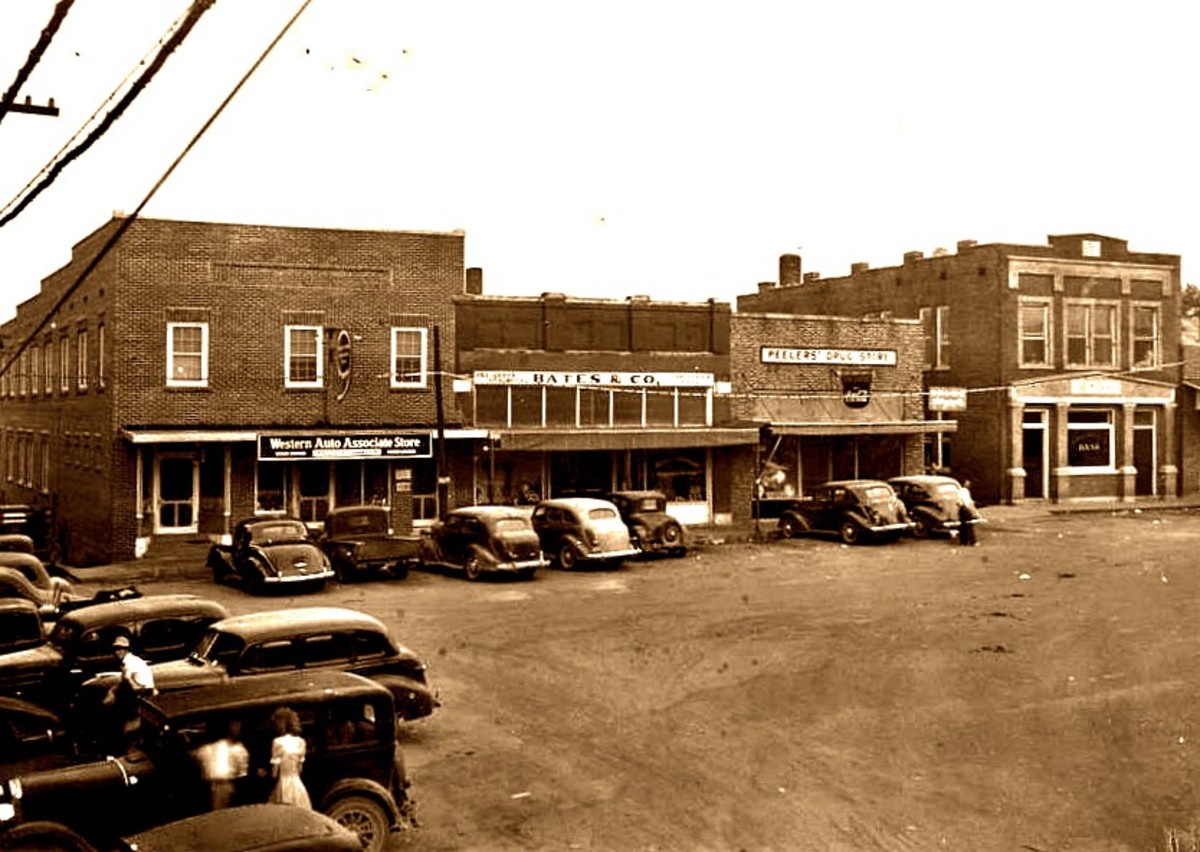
[
  {"x": 201, "y": 372},
  {"x": 1064, "y": 359},
  {"x": 587, "y": 396}
]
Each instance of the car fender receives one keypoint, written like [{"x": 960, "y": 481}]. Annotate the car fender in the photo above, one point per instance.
[
  {"x": 484, "y": 554},
  {"x": 413, "y": 699},
  {"x": 362, "y": 787}
]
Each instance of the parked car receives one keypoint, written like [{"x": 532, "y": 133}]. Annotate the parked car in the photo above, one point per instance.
[
  {"x": 852, "y": 509},
  {"x": 934, "y": 503},
  {"x": 651, "y": 529},
  {"x": 486, "y": 539},
  {"x": 79, "y": 646},
  {"x": 271, "y": 553},
  {"x": 23, "y": 575},
  {"x": 34, "y": 523},
  {"x": 353, "y": 769},
  {"x": 21, "y": 625},
  {"x": 29, "y": 730},
  {"x": 582, "y": 529},
  {"x": 265, "y": 642},
  {"x": 359, "y": 541}
]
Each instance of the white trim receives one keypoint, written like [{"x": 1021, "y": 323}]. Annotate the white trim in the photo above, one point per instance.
[
  {"x": 187, "y": 383},
  {"x": 393, "y": 380}
]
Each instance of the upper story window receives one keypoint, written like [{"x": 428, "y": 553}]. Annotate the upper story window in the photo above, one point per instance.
[
  {"x": 935, "y": 323},
  {"x": 409, "y": 358},
  {"x": 23, "y": 373},
  {"x": 187, "y": 354},
  {"x": 1145, "y": 336},
  {"x": 48, "y": 363},
  {"x": 64, "y": 362},
  {"x": 101, "y": 356},
  {"x": 1091, "y": 334},
  {"x": 81, "y": 360},
  {"x": 35, "y": 369},
  {"x": 302, "y": 356},
  {"x": 1033, "y": 328}
]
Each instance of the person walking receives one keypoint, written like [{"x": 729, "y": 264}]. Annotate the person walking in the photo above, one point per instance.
[
  {"x": 136, "y": 674},
  {"x": 287, "y": 759},
  {"x": 223, "y": 763},
  {"x": 968, "y": 516}
]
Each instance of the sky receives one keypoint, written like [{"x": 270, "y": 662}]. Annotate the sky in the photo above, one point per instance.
[{"x": 659, "y": 147}]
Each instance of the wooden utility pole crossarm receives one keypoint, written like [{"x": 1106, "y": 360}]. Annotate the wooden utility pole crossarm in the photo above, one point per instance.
[{"x": 36, "y": 109}]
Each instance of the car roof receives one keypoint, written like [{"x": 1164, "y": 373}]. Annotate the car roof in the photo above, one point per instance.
[
  {"x": 266, "y": 827},
  {"x": 492, "y": 511},
  {"x": 17, "y": 605},
  {"x": 132, "y": 609},
  {"x": 925, "y": 479},
  {"x": 639, "y": 495},
  {"x": 578, "y": 503},
  {"x": 293, "y": 687},
  {"x": 349, "y": 510},
  {"x": 287, "y": 622},
  {"x": 267, "y": 519},
  {"x": 852, "y": 483}
]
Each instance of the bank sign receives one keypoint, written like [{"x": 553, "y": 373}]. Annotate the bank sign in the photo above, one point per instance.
[
  {"x": 345, "y": 445},
  {"x": 592, "y": 378},
  {"x": 837, "y": 357}
]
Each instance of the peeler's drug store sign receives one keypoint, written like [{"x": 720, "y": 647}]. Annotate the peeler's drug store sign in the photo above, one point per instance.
[{"x": 836, "y": 357}]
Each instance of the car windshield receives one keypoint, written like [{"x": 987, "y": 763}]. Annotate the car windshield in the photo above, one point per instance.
[
  {"x": 64, "y": 634},
  {"x": 361, "y": 522},
  {"x": 876, "y": 494},
  {"x": 267, "y": 533},
  {"x": 504, "y": 525},
  {"x": 602, "y": 513},
  {"x": 216, "y": 647},
  {"x": 650, "y": 504},
  {"x": 20, "y": 630}
]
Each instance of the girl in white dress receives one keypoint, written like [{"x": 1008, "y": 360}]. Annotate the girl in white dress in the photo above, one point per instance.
[{"x": 287, "y": 759}]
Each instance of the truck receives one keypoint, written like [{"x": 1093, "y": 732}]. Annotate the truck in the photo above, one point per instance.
[{"x": 359, "y": 542}]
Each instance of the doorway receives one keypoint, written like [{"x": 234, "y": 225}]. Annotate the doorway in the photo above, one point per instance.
[
  {"x": 176, "y": 490},
  {"x": 1144, "y": 452},
  {"x": 1034, "y": 438}
]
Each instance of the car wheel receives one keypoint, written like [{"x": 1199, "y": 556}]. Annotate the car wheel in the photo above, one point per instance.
[
  {"x": 672, "y": 535},
  {"x": 789, "y": 527},
  {"x": 41, "y": 836},
  {"x": 921, "y": 530},
  {"x": 567, "y": 558},
  {"x": 473, "y": 567},
  {"x": 365, "y": 817},
  {"x": 851, "y": 532}
]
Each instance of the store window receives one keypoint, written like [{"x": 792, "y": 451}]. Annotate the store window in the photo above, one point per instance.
[
  {"x": 1145, "y": 336},
  {"x": 627, "y": 408},
  {"x": 302, "y": 356},
  {"x": 187, "y": 354},
  {"x": 660, "y": 406},
  {"x": 1091, "y": 334},
  {"x": 680, "y": 474},
  {"x": 594, "y": 407},
  {"x": 560, "y": 406},
  {"x": 526, "y": 405},
  {"x": 491, "y": 405},
  {"x": 1034, "y": 331},
  {"x": 314, "y": 491},
  {"x": 935, "y": 322},
  {"x": 1090, "y": 439},
  {"x": 81, "y": 357},
  {"x": 269, "y": 487}
]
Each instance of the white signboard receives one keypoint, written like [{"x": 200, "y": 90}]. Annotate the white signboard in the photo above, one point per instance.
[
  {"x": 1095, "y": 387},
  {"x": 592, "y": 378},
  {"x": 848, "y": 357},
  {"x": 947, "y": 399}
]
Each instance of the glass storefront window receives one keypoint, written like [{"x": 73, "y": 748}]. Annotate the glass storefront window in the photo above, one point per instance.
[
  {"x": 679, "y": 474},
  {"x": 660, "y": 407},
  {"x": 491, "y": 405},
  {"x": 526, "y": 406},
  {"x": 560, "y": 406},
  {"x": 593, "y": 407},
  {"x": 268, "y": 487},
  {"x": 627, "y": 408},
  {"x": 693, "y": 408},
  {"x": 1090, "y": 439}
]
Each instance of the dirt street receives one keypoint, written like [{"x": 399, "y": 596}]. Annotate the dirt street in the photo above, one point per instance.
[{"x": 1033, "y": 693}]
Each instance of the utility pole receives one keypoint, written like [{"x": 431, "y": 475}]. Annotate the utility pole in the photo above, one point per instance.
[{"x": 443, "y": 471}]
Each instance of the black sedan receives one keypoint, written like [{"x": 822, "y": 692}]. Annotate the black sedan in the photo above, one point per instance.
[
  {"x": 852, "y": 509},
  {"x": 934, "y": 503},
  {"x": 486, "y": 539},
  {"x": 271, "y": 553}
]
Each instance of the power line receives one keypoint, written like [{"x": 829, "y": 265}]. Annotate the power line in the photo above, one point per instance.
[
  {"x": 198, "y": 8},
  {"x": 35, "y": 55},
  {"x": 128, "y": 221}
]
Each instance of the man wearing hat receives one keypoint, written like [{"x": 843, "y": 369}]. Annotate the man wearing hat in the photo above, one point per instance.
[{"x": 135, "y": 672}]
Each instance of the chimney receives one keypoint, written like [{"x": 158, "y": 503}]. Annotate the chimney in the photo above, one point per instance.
[
  {"x": 811, "y": 276},
  {"x": 789, "y": 270},
  {"x": 474, "y": 283},
  {"x": 861, "y": 266},
  {"x": 963, "y": 245},
  {"x": 764, "y": 286},
  {"x": 911, "y": 256}
]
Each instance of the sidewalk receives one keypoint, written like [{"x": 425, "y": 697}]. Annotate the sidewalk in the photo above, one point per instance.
[{"x": 998, "y": 516}]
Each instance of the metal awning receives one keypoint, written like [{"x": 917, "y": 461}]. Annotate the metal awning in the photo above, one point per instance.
[
  {"x": 895, "y": 427},
  {"x": 604, "y": 438}
]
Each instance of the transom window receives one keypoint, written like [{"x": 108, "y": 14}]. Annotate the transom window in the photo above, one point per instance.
[
  {"x": 187, "y": 354},
  {"x": 1145, "y": 336},
  {"x": 558, "y": 407},
  {"x": 1034, "y": 331},
  {"x": 1091, "y": 334},
  {"x": 302, "y": 356},
  {"x": 1090, "y": 438},
  {"x": 409, "y": 358}
]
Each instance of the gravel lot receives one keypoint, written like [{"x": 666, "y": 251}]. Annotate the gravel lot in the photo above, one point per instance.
[{"x": 1033, "y": 693}]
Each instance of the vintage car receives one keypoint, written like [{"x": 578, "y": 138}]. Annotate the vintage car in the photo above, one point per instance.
[
  {"x": 271, "y": 553},
  {"x": 29, "y": 730},
  {"x": 23, "y": 575},
  {"x": 575, "y": 530},
  {"x": 934, "y": 503},
  {"x": 21, "y": 625},
  {"x": 160, "y": 627},
  {"x": 359, "y": 542},
  {"x": 651, "y": 529},
  {"x": 353, "y": 770},
  {"x": 486, "y": 539},
  {"x": 304, "y": 638},
  {"x": 853, "y": 509},
  {"x": 35, "y": 524}
]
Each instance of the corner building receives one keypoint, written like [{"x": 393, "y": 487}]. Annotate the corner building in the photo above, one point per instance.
[
  {"x": 205, "y": 372},
  {"x": 1061, "y": 363}
]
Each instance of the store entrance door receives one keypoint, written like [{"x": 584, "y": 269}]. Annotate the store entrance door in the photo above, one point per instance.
[
  {"x": 176, "y": 487},
  {"x": 1033, "y": 453}
]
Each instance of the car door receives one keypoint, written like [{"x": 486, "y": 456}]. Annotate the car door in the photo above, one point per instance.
[{"x": 452, "y": 539}]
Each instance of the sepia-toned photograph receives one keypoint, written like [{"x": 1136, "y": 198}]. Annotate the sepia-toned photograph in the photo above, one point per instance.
[{"x": 656, "y": 427}]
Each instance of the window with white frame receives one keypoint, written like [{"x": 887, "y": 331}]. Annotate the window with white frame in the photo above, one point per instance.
[
  {"x": 1091, "y": 334},
  {"x": 35, "y": 369},
  {"x": 81, "y": 360},
  {"x": 936, "y": 327},
  {"x": 1145, "y": 336},
  {"x": 1033, "y": 329},
  {"x": 1090, "y": 438},
  {"x": 302, "y": 356},
  {"x": 48, "y": 362},
  {"x": 187, "y": 354},
  {"x": 23, "y": 373},
  {"x": 64, "y": 361},
  {"x": 409, "y": 358},
  {"x": 101, "y": 356}
]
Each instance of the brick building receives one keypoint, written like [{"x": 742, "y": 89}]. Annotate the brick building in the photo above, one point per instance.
[
  {"x": 1064, "y": 358},
  {"x": 585, "y": 396},
  {"x": 202, "y": 372},
  {"x": 836, "y": 398}
]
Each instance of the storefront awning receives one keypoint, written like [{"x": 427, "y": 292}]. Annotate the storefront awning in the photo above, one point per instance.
[
  {"x": 622, "y": 439},
  {"x": 896, "y": 427}
]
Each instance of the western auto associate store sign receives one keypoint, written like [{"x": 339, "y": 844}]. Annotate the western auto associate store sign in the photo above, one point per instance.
[{"x": 345, "y": 445}]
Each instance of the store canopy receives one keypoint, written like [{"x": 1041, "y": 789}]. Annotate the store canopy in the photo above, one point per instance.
[
  {"x": 233, "y": 436},
  {"x": 604, "y": 438},
  {"x": 894, "y": 427}
]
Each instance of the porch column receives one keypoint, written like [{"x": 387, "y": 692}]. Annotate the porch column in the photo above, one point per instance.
[
  {"x": 1168, "y": 470},
  {"x": 1125, "y": 466},
  {"x": 1016, "y": 440},
  {"x": 226, "y": 508},
  {"x": 1062, "y": 482}
]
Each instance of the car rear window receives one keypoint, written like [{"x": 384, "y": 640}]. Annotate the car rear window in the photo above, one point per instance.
[
  {"x": 649, "y": 504},
  {"x": 512, "y": 525},
  {"x": 280, "y": 532},
  {"x": 374, "y": 522},
  {"x": 878, "y": 494},
  {"x": 602, "y": 513},
  {"x": 945, "y": 489}
]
